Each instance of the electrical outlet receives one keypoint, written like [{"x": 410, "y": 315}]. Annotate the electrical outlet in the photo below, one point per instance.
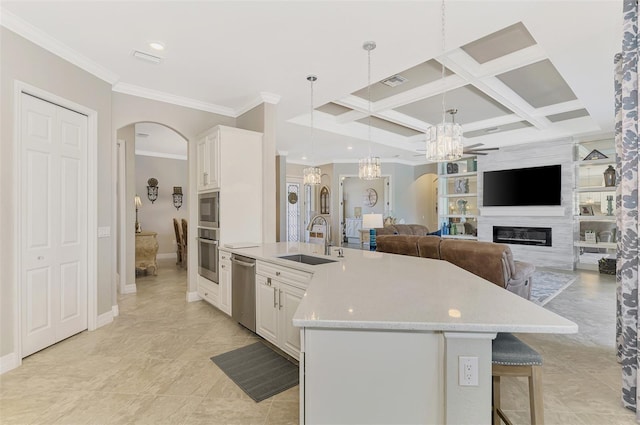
[{"x": 467, "y": 371}]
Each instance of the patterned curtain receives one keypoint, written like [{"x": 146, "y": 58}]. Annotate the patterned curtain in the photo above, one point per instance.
[{"x": 626, "y": 139}]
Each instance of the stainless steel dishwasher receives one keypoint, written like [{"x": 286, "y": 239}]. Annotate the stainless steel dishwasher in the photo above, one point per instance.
[{"x": 243, "y": 291}]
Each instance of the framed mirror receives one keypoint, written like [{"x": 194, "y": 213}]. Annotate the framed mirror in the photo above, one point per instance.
[{"x": 324, "y": 200}]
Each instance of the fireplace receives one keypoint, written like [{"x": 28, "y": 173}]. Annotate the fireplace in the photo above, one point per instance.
[{"x": 539, "y": 236}]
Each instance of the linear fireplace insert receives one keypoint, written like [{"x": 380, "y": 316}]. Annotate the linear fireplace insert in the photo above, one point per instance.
[{"x": 540, "y": 236}]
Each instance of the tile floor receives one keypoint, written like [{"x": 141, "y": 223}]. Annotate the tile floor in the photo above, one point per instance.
[{"x": 152, "y": 366}]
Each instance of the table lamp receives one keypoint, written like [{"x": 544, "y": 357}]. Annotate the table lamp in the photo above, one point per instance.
[
  {"x": 138, "y": 203},
  {"x": 371, "y": 221}
]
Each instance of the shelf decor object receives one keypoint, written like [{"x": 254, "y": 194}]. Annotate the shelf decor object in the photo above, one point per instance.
[
  {"x": 312, "y": 175},
  {"x": 594, "y": 154},
  {"x": 586, "y": 209},
  {"x": 609, "y": 205},
  {"x": 610, "y": 176},
  {"x": 369, "y": 167},
  {"x": 152, "y": 189},
  {"x": 177, "y": 197},
  {"x": 138, "y": 202},
  {"x": 444, "y": 140}
]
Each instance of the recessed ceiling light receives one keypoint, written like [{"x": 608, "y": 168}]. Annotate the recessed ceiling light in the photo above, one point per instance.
[
  {"x": 156, "y": 45},
  {"x": 349, "y": 147},
  {"x": 304, "y": 157},
  {"x": 146, "y": 56}
]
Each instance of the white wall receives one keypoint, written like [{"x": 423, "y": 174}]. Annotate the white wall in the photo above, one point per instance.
[
  {"x": 353, "y": 192},
  {"x": 158, "y": 216},
  {"x": 24, "y": 61}
]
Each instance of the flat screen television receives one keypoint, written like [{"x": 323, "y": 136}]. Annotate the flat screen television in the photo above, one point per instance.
[{"x": 522, "y": 187}]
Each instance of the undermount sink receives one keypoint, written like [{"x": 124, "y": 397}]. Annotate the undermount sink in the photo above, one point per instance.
[{"x": 307, "y": 259}]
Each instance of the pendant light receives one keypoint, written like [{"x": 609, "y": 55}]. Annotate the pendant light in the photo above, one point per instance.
[
  {"x": 444, "y": 141},
  {"x": 312, "y": 175},
  {"x": 369, "y": 167}
]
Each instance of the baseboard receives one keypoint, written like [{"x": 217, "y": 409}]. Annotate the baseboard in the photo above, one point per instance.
[
  {"x": 129, "y": 289},
  {"x": 115, "y": 310},
  {"x": 104, "y": 319},
  {"x": 193, "y": 296},
  {"x": 167, "y": 255},
  {"x": 9, "y": 362}
]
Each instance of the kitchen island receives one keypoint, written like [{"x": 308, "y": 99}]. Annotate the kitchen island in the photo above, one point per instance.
[{"x": 381, "y": 336}]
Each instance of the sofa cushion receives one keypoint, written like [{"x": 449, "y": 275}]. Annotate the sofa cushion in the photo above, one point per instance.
[
  {"x": 429, "y": 247},
  {"x": 386, "y": 230},
  {"x": 485, "y": 259},
  {"x": 398, "y": 244}
]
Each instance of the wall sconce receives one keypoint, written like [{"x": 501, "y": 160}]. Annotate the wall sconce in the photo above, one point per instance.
[
  {"x": 138, "y": 203},
  {"x": 152, "y": 189},
  {"x": 177, "y": 197}
]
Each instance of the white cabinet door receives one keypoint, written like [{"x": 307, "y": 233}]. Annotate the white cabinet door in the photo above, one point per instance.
[
  {"x": 213, "y": 172},
  {"x": 53, "y": 196},
  {"x": 267, "y": 309},
  {"x": 224, "y": 295},
  {"x": 202, "y": 163},
  {"x": 289, "y": 299}
]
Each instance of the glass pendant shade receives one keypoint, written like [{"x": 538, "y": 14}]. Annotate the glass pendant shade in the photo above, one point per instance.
[
  {"x": 369, "y": 168},
  {"x": 444, "y": 142},
  {"x": 311, "y": 176}
]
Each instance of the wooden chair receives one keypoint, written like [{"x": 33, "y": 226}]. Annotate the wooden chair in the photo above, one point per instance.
[
  {"x": 185, "y": 250},
  {"x": 512, "y": 357},
  {"x": 179, "y": 244}
]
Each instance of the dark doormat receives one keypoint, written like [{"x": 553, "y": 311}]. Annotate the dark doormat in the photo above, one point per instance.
[{"x": 258, "y": 370}]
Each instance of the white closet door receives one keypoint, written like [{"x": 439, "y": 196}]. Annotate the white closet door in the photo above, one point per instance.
[{"x": 53, "y": 223}]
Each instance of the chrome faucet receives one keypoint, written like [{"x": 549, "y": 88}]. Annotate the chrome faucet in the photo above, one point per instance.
[{"x": 327, "y": 238}]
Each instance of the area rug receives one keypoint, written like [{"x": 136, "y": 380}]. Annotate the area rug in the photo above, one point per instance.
[
  {"x": 258, "y": 370},
  {"x": 547, "y": 285}
]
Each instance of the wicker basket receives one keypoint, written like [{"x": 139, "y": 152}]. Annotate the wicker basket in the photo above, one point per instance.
[{"x": 607, "y": 265}]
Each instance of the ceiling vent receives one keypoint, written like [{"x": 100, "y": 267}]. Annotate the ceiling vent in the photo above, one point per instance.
[
  {"x": 147, "y": 57},
  {"x": 394, "y": 81},
  {"x": 142, "y": 135}
]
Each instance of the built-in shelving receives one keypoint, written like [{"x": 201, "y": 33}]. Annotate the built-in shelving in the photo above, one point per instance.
[
  {"x": 458, "y": 197},
  {"x": 599, "y": 245},
  {"x": 591, "y": 192}
]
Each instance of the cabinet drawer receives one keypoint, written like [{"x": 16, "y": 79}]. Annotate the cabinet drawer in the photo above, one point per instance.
[
  {"x": 298, "y": 278},
  {"x": 208, "y": 291},
  {"x": 225, "y": 256}
]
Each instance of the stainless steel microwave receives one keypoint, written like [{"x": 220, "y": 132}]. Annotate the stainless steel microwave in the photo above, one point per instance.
[{"x": 209, "y": 210}]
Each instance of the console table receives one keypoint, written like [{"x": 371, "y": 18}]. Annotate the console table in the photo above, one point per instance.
[{"x": 146, "y": 250}]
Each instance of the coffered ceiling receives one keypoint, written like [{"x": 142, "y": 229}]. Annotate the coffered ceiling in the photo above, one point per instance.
[{"x": 517, "y": 71}]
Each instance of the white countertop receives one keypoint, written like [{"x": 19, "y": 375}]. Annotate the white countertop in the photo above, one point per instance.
[{"x": 373, "y": 290}]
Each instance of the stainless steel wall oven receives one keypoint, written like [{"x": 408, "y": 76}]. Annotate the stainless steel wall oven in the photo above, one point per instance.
[{"x": 208, "y": 253}]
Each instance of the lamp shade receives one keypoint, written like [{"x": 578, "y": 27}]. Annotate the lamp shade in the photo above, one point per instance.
[
  {"x": 372, "y": 221},
  {"x": 137, "y": 201}
]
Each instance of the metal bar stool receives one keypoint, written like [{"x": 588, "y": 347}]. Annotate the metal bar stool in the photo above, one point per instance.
[{"x": 512, "y": 357}]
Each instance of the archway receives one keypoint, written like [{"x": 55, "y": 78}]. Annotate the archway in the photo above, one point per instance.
[{"x": 148, "y": 152}]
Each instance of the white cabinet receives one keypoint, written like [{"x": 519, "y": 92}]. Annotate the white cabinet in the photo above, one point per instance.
[
  {"x": 595, "y": 203},
  {"x": 208, "y": 290},
  {"x": 230, "y": 160},
  {"x": 279, "y": 291},
  {"x": 224, "y": 282},
  {"x": 458, "y": 198},
  {"x": 208, "y": 161}
]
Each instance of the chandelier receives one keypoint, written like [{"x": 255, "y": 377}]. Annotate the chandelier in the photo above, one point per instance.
[
  {"x": 444, "y": 141},
  {"x": 311, "y": 175},
  {"x": 369, "y": 167}
]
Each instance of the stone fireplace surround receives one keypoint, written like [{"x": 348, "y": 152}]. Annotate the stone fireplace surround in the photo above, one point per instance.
[{"x": 561, "y": 254}]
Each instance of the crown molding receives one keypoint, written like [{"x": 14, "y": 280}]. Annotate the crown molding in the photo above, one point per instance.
[
  {"x": 161, "y": 155},
  {"x": 42, "y": 39},
  {"x": 271, "y": 98},
  {"x": 134, "y": 90}
]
